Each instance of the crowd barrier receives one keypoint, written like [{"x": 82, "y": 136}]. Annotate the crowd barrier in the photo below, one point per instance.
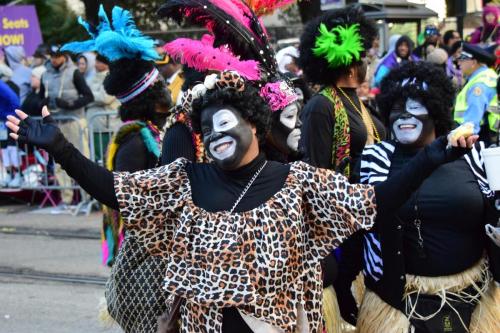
[{"x": 39, "y": 172}]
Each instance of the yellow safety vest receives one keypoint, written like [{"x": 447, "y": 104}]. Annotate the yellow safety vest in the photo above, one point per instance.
[{"x": 489, "y": 78}]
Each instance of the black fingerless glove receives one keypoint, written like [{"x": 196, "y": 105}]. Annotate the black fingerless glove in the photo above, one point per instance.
[{"x": 44, "y": 134}]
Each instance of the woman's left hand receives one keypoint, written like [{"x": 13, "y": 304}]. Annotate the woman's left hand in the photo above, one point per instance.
[
  {"x": 463, "y": 142},
  {"x": 441, "y": 151}
]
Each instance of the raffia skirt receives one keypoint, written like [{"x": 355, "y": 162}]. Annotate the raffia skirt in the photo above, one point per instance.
[{"x": 376, "y": 316}]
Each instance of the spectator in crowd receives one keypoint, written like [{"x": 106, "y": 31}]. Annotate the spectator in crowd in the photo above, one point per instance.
[
  {"x": 477, "y": 101},
  {"x": 10, "y": 175},
  {"x": 489, "y": 32},
  {"x": 431, "y": 40},
  {"x": 5, "y": 71},
  {"x": 373, "y": 59},
  {"x": 103, "y": 102},
  {"x": 452, "y": 68},
  {"x": 86, "y": 65},
  {"x": 402, "y": 54},
  {"x": 66, "y": 93},
  {"x": 32, "y": 104},
  {"x": 172, "y": 73},
  {"x": 21, "y": 74},
  {"x": 450, "y": 37},
  {"x": 39, "y": 59},
  {"x": 439, "y": 57},
  {"x": 366, "y": 96}
]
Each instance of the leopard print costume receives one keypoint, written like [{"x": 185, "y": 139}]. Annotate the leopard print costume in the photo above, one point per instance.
[{"x": 265, "y": 261}]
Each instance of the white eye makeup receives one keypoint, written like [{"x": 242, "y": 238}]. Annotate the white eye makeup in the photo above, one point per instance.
[
  {"x": 224, "y": 120},
  {"x": 415, "y": 108},
  {"x": 288, "y": 116}
]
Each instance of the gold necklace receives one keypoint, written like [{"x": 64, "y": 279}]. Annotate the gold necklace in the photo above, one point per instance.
[{"x": 360, "y": 112}]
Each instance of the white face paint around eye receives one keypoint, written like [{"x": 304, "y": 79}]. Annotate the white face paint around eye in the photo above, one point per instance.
[
  {"x": 415, "y": 108},
  {"x": 225, "y": 147},
  {"x": 288, "y": 116},
  {"x": 224, "y": 120}
]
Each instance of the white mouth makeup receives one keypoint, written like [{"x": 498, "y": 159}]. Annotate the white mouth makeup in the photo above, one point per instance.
[
  {"x": 288, "y": 116},
  {"x": 223, "y": 148},
  {"x": 293, "y": 139},
  {"x": 407, "y": 131}
]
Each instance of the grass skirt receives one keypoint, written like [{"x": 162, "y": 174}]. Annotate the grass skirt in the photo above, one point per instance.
[{"x": 376, "y": 316}]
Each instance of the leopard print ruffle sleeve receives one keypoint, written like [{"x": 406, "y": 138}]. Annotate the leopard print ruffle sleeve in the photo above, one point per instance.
[
  {"x": 265, "y": 261},
  {"x": 149, "y": 201},
  {"x": 334, "y": 208}
]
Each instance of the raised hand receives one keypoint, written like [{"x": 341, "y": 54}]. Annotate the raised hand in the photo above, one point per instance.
[
  {"x": 42, "y": 133},
  {"x": 443, "y": 151}
]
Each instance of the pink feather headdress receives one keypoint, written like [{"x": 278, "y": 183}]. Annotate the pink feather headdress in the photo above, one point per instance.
[
  {"x": 278, "y": 95},
  {"x": 202, "y": 56}
]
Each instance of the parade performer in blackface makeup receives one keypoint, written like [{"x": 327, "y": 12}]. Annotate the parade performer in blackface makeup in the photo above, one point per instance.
[
  {"x": 131, "y": 293},
  {"x": 238, "y": 41},
  {"x": 336, "y": 124},
  {"x": 431, "y": 268},
  {"x": 242, "y": 237}
]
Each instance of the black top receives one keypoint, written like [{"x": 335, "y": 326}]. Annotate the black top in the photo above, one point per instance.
[
  {"x": 450, "y": 213},
  {"x": 178, "y": 142},
  {"x": 318, "y": 121}
]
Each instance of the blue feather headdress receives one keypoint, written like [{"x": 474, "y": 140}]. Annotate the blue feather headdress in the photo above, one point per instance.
[{"x": 115, "y": 40}]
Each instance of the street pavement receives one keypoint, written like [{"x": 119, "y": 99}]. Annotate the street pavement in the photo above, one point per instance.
[{"x": 51, "y": 278}]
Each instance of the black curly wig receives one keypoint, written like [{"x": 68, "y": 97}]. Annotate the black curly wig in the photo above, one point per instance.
[
  {"x": 123, "y": 74},
  {"x": 251, "y": 106},
  {"x": 316, "y": 69},
  {"x": 438, "y": 98}
]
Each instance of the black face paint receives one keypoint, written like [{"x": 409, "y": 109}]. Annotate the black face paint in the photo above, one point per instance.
[
  {"x": 226, "y": 135},
  {"x": 285, "y": 131},
  {"x": 410, "y": 123}
]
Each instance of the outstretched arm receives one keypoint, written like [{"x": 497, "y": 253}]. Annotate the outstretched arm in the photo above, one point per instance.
[
  {"x": 336, "y": 209},
  {"x": 397, "y": 189},
  {"x": 45, "y": 134}
]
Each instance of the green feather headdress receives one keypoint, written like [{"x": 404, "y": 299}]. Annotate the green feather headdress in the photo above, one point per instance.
[{"x": 340, "y": 45}]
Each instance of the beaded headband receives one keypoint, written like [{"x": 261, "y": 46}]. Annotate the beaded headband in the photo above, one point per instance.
[{"x": 139, "y": 87}]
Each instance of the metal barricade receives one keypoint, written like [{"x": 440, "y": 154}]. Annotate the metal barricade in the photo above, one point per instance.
[
  {"x": 39, "y": 171},
  {"x": 101, "y": 128}
]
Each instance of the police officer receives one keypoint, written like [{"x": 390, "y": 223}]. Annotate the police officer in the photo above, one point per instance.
[{"x": 477, "y": 101}]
